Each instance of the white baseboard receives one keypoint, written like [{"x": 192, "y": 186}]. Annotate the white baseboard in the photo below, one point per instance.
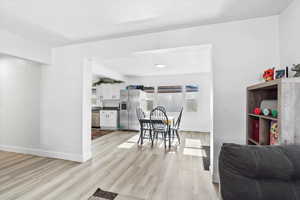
[
  {"x": 43, "y": 153},
  {"x": 87, "y": 156},
  {"x": 197, "y": 131}
]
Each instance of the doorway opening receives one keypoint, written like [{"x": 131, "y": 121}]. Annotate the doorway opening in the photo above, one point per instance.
[{"x": 174, "y": 78}]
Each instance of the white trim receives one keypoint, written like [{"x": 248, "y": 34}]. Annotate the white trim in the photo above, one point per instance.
[
  {"x": 87, "y": 156},
  {"x": 195, "y": 130},
  {"x": 43, "y": 153}
]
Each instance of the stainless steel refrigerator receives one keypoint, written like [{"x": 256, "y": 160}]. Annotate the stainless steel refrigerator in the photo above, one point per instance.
[{"x": 129, "y": 101}]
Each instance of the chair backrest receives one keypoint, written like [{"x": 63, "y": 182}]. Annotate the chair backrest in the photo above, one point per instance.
[
  {"x": 177, "y": 123},
  {"x": 158, "y": 119},
  {"x": 140, "y": 113},
  {"x": 162, "y": 108}
]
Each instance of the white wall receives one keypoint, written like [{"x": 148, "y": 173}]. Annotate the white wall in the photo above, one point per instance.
[
  {"x": 41, "y": 106},
  {"x": 14, "y": 45},
  {"x": 62, "y": 105},
  {"x": 191, "y": 121},
  {"x": 289, "y": 32},
  {"x": 241, "y": 52},
  {"x": 87, "y": 71},
  {"x": 65, "y": 101},
  {"x": 19, "y": 104}
]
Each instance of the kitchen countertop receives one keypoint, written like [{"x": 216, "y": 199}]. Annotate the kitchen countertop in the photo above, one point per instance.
[{"x": 98, "y": 108}]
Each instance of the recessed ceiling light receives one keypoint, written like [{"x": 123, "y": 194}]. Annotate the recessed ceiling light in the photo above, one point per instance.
[{"x": 160, "y": 66}]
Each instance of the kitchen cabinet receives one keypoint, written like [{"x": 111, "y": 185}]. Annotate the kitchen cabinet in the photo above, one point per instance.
[
  {"x": 106, "y": 91},
  {"x": 109, "y": 91},
  {"x": 115, "y": 91},
  {"x": 96, "y": 119},
  {"x": 99, "y": 91},
  {"x": 109, "y": 119}
]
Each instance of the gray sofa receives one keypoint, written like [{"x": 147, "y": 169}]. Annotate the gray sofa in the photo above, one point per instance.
[{"x": 259, "y": 172}]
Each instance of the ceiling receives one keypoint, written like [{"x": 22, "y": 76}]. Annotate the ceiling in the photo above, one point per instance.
[
  {"x": 61, "y": 22},
  {"x": 180, "y": 60}
]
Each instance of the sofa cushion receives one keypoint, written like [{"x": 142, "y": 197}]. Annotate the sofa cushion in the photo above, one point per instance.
[
  {"x": 272, "y": 189},
  {"x": 260, "y": 172},
  {"x": 257, "y": 161},
  {"x": 293, "y": 154}
]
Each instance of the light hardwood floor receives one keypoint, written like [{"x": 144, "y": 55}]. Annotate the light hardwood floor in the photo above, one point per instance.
[{"x": 118, "y": 165}]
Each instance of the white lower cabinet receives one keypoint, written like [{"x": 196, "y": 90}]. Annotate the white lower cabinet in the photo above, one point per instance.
[{"x": 109, "y": 119}]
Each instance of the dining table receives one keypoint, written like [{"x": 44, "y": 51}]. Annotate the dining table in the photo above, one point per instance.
[{"x": 146, "y": 121}]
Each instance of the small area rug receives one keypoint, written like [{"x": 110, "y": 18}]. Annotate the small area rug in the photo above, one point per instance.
[
  {"x": 103, "y": 195},
  {"x": 96, "y": 133}
]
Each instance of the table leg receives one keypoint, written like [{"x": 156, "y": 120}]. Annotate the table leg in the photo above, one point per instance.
[
  {"x": 142, "y": 131},
  {"x": 141, "y": 136},
  {"x": 169, "y": 132},
  {"x": 138, "y": 142}
]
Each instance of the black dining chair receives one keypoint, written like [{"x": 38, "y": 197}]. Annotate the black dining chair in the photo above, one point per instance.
[
  {"x": 144, "y": 126},
  {"x": 160, "y": 124},
  {"x": 162, "y": 108},
  {"x": 160, "y": 114},
  {"x": 175, "y": 128}
]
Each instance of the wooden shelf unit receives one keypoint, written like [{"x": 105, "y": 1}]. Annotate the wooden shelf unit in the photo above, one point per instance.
[
  {"x": 255, "y": 95},
  {"x": 287, "y": 94}
]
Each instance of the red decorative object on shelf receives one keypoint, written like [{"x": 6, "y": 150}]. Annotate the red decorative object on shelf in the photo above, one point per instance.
[
  {"x": 257, "y": 111},
  {"x": 255, "y": 130},
  {"x": 269, "y": 74}
]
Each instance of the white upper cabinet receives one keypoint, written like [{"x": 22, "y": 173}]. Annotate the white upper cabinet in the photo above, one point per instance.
[
  {"x": 115, "y": 91},
  {"x": 109, "y": 91}
]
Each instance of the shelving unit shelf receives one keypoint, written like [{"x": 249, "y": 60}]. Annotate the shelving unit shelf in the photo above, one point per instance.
[
  {"x": 252, "y": 141},
  {"x": 287, "y": 94},
  {"x": 263, "y": 117}
]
